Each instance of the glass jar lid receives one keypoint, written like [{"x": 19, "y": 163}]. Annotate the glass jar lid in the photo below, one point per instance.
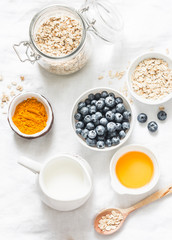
[{"x": 103, "y": 19}]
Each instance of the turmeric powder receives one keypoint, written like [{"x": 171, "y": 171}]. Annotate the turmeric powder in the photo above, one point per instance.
[{"x": 30, "y": 116}]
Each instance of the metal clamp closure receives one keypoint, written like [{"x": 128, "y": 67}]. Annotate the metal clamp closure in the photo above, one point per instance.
[{"x": 31, "y": 56}]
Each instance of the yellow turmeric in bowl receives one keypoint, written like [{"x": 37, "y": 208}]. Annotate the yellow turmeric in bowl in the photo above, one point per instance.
[{"x": 30, "y": 116}]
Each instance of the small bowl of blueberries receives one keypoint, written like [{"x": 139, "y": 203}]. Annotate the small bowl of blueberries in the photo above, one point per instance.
[{"x": 102, "y": 119}]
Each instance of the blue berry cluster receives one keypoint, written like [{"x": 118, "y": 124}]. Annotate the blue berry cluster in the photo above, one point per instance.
[
  {"x": 152, "y": 126},
  {"x": 102, "y": 120}
]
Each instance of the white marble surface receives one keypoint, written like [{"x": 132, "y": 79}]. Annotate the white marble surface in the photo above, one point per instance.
[{"x": 22, "y": 215}]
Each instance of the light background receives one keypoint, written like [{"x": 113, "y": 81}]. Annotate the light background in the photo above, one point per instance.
[{"x": 22, "y": 215}]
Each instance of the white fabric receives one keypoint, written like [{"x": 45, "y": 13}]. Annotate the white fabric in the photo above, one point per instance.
[{"x": 22, "y": 214}]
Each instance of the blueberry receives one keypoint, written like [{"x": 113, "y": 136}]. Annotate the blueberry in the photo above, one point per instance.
[
  {"x": 120, "y": 107},
  {"x": 94, "y": 118},
  {"x": 84, "y": 111},
  {"x": 91, "y": 142},
  {"x": 78, "y": 130},
  {"x": 122, "y": 134},
  {"x": 92, "y": 109},
  {"x": 111, "y": 127},
  {"x": 84, "y": 133},
  {"x": 100, "y": 138},
  {"x": 100, "y": 144},
  {"x": 127, "y": 115},
  {"x": 118, "y": 100},
  {"x": 108, "y": 143},
  {"x": 90, "y": 126},
  {"x": 152, "y": 126},
  {"x": 98, "y": 115},
  {"x": 87, "y": 101},
  {"x": 97, "y": 123},
  {"x": 112, "y": 94},
  {"x": 118, "y": 126},
  {"x": 110, "y": 116},
  {"x": 162, "y": 115},
  {"x": 110, "y": 101},
  {"x": 100, "y": 130},
  {"x": 104, "y": 94},
  {"x": 118, "y": 117},
  {"x": 78, "y": 116},
  {"x": 87, "y": 118},
  {"x": 112, "y": 134},
  {"x": 106, "y": 109},
  {"x": 93, "y": 102},
  {"x": 97, "y": 96},
  {"x": 92, "y": 134},
  {"x": 114, "y": 110},
  {"x": 125, "y": 126},
  {"x": 79, "y": 124},
  {"x": 103, "y": 121},
  {"x": 100, "y": 104},
  {"x": 115, "y": 141},
  {"x": 142, "y": 117},
  {"x": 91, "y": 96},
  {"x": 81, "y": 105}
]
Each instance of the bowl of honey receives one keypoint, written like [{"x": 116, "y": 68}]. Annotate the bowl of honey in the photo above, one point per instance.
[{"x": 134, "y": 170}]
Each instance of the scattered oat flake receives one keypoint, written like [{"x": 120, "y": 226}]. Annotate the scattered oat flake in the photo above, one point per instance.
[
  {"x": 100, "y": 77},
  {"x": 22, "y": 78},
  {"x": 1, "y": 78},
  {"x": 5, "y": 98},
  {"x": 9, "y": 86},
  {"x": 19, "y": 88},
  {"x": 167, "y": 51},
  {"x": 12, "y": 94},
  {"x": 14, "y": 83},
  {"x": 161, "y": 108},
  {"x": 111, "y": 75},
  {"x": 131, "y": 100}
]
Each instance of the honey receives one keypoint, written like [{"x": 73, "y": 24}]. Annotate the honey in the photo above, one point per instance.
[{"x": 134, "y": 169}]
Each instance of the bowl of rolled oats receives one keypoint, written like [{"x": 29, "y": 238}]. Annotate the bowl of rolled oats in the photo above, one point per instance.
[{"x": 150, "y": 78}]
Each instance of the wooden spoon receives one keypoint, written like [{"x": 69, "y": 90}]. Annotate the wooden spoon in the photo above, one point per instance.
[{"x": 125, "y": 212}]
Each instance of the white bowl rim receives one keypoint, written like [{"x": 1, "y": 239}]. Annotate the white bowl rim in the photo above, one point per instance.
[
  {"x": 116, "y": 184},
  {"x": 46, "y": 103},
  {"x": 80, "y": 161},
  {"x": 138, "y": 59},
  {"x": 131, "y": 121}
]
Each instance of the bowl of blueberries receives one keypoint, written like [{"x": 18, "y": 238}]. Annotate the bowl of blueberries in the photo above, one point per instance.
[{"x": 102, "y": 119}]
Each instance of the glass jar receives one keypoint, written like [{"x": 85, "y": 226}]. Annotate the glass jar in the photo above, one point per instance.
[{"x": 97, "y": 16}]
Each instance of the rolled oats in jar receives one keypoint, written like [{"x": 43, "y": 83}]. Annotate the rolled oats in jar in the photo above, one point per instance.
[{"x": 60, "y": 38}]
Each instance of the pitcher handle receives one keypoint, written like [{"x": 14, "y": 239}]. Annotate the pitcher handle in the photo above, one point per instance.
[{"x": 34, "y": 166}]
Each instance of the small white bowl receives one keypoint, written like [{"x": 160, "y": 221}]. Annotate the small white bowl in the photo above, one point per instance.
[
  {"x": 99, "y": 90},
  {"x": 131, "y": 69},
  {"x": 20, "y": 98},
  {"x": 116, "y": 184}
]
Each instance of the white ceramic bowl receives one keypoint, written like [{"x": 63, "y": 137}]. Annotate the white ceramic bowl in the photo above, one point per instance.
[
  {"x": 131, "y": 69},
  {"x": 24, "y": 96},
  {"x": 96, "y": 90},
  {"x": 121, "y": 189}
]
